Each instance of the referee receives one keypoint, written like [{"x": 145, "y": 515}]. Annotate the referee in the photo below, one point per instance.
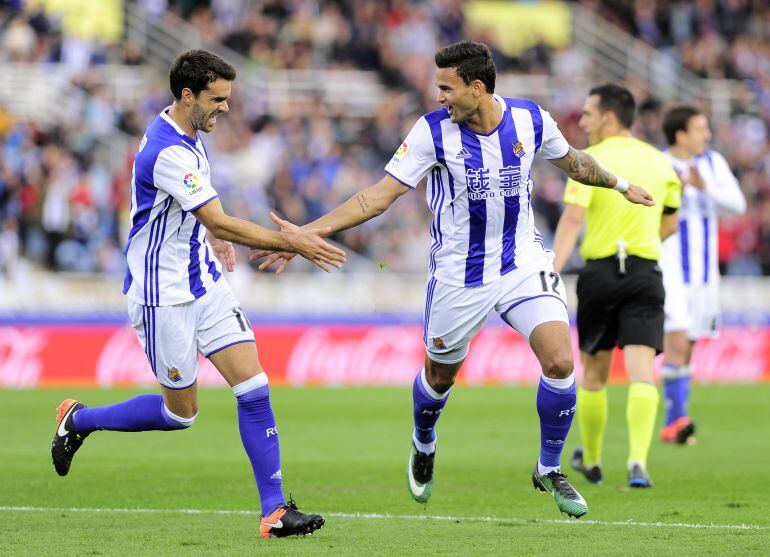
[{"x": 620, "y": 289}]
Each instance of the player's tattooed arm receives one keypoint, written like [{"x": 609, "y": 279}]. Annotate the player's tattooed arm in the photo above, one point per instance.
[
  {"x": 362, "y": 202},
  {"x": 583, "y": 168}
]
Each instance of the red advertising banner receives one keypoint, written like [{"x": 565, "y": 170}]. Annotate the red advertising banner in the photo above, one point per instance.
[{"x": 109, "y": 355}]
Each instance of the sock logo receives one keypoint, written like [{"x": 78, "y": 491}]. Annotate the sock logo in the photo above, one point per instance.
[
  {"x": 277, "y": 475},
  {"x": 270, "y": 431},
  {"x": 431, "y": 412},
  {"x": 554, "y": 441},
  {"x": 567, "y": 412}
]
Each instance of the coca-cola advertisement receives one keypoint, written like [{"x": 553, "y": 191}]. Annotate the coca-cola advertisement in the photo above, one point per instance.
[{"x": 109, "y": 355}]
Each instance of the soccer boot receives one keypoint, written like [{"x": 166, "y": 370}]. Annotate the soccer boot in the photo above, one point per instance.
[
  {"x": 593, "y": 474},
  {"x": 681, "y": 431},
  {"x": 65, "y": 442},
  {"x": 567, "y": 498},
  {"x": 287, "y": 520},
  {"x": 419, "y": 475},
  {"x": 638, "y": 476}
]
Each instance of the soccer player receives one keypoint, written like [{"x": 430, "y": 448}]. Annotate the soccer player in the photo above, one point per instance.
[
  {"x": 620, "y": 289},
  {"x": 178, "y": 302},
  {"x": 477, "y": 151},
  {"x": 689, "y": 262}
]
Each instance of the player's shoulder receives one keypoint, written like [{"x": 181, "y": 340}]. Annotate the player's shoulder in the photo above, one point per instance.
[
  {"x": 527, "y": 104},
  {"x": 162, "y": 143},
  {"x": 711, "y": 158}
]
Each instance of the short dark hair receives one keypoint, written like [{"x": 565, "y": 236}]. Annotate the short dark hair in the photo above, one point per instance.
[
  {"x": 471, "y": 60},
  {"x": 196, "y": 70},
  {"x": 618, "y": 100},
  {"x": 676, "y": 119}
]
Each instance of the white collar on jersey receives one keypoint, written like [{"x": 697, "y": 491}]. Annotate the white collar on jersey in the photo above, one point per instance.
[{"x": 167, "y": 118}]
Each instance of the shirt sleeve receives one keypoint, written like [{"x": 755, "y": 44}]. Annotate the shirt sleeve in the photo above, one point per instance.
[
  {"x": 178, "y": 172},
  {"x": 415, "y": 157},
  {"x": 673, "y": 193},
  {"x": 554, "y": 145},
  {"x": 576, "y": 193},
  {"x": 725, "y": 190}
]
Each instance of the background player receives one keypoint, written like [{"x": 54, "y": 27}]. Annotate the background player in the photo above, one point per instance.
[
  {"x": 620, "y": 289},
  {"x": 178, "y": 302},
  {"x": 689, "y": 262},
  {"x": 477, "y": 151}
]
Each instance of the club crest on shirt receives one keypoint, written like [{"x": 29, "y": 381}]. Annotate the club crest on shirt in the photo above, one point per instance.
[
  {"x": 400, "y": 153},
  {"x": 192, "y": 183},
  {"x": 174, "y": 375},
  {"x": 518, "y": 149}
]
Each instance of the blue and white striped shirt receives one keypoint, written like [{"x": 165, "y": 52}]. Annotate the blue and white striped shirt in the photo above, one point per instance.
[
  {"x": 691, "y": 255},
  {"x": 479, "y": 189},
  {"x": 169, "y": 259}
]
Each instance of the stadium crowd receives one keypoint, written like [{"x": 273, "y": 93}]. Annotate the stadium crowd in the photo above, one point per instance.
[{"x": 65, "y": 209}]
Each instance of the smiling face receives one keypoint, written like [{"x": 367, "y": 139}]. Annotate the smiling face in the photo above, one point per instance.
[
  {"x": 460, "y": 98},
  {"x": 209, "y": 104}
]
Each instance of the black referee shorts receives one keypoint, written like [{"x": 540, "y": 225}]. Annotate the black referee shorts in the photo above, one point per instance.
[{"x": 615, "y": 309}]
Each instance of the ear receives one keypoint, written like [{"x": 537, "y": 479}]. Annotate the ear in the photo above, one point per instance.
[
  {"x": 478, "y": 88},
  {"x": 187, "y": 96}
]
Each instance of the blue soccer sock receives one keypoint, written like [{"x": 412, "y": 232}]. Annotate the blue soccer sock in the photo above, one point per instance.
[
  {"x": 260, "y": 439},
  {"x": 141, "y": 413},
  {"x": 676, "y": 388},
  {"x": 428, "y": 405},
  {"x": 556, "y": 404}
]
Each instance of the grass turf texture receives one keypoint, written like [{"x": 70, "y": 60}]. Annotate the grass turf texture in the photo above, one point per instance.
[{"x": 345, "y": 451}]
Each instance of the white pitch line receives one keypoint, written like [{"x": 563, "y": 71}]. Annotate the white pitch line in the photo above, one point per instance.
[{"x": 379, "y": 516}]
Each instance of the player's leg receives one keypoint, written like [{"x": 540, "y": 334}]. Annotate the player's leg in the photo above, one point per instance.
[
  {"x": 679, "y": 321},
  {"x": 226, "y": 338},
  {"x": 678, "y": 347},
  {"x": 598, "y": 293},
  {"x": 173, "y": 359},
  {"x": 640, "y": 335},
  {"x": 533, "y": 302},
  {"x": 592, "y": 414},
  {"x": 453, "y": 315}
]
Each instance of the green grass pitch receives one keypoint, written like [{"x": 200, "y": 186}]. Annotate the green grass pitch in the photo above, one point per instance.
[{"x": 344, "y": 453}]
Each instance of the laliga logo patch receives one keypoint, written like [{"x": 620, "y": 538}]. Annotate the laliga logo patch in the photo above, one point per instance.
[
  {"x": 400, "y": 153},
  {"x": 191, "y": 184}
]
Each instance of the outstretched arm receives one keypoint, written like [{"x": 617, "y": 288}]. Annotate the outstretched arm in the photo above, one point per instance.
[
  {"x": 307, "y": 242},
  {"x": 365, "y": 205},
  {"x": 583, "y": 168}
]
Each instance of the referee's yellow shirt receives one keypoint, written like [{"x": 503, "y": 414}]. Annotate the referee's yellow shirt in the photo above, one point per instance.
[{"x": 610, "y": 217}]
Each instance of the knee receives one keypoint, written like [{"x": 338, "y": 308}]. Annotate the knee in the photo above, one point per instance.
[
  {"x": 183, "y": 418},
  {"x": 559, "y": 368},
  {"x": 440, "y": 378}
]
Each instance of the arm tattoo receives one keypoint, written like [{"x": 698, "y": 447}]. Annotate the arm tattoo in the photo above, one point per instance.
[
  {"x": 583, "y": 168},
  {"x": 362, "y": 203}
]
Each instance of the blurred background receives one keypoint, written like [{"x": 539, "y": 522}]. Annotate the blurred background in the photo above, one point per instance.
[{"x": 326, "y": 91}]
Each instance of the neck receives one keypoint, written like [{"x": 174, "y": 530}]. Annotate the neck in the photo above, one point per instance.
[
  {"x": 616, "y": 132},
  {"x": 680, "y": 152},
  {"x": 182, "y": 119},
  {"x": 487, "y": 116}
]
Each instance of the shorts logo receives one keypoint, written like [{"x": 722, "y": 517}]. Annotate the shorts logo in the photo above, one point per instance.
[
  {"x": 174, "y": 375},
  {"x": 191, "y": 184},
  {"x": 400, "y": 153},
  {"x": 438, "y": 342}
]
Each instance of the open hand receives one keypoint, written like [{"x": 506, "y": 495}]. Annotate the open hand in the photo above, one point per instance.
[
  {"x": 638, "y": 195},
  {"x": 309, "y": 244},
  {"x": 280, "y": 257},
  {"x": 225, "y": 252}
]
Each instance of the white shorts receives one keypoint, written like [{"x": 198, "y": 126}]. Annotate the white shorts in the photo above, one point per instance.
[
  {"x": 525, "y": 298},
  {"x": 172, "y": 336},
  {"x": 692, "y": 308}
]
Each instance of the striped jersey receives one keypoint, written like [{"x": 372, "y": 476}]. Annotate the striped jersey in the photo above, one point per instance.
[
  {"x": 690, "y": 255},
  {"x": 479, "y": 189},
  {"x": 169, "y": 259}
]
